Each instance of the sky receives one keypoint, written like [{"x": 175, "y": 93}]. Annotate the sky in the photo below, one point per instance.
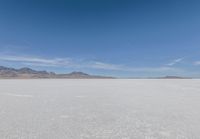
[{"x": 122, "y": 38}]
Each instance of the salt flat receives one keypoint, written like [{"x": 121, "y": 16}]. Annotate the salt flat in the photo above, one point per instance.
[{"x": 100, "y": 109}]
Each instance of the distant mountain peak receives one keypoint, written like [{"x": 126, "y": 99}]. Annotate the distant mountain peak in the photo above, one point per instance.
[
  {"x": 173, "y": 77},
  {"x": 78, "y": 73}
]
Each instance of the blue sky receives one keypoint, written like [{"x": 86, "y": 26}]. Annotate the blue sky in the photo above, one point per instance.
[{"x": 124, "y": 38}]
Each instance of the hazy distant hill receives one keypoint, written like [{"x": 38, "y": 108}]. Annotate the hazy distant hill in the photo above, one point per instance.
[
  {"x": 27, "y": 73},
  {"x": 173, "y": 77}
]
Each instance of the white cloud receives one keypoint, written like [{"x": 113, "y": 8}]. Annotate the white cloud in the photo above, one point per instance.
[
  {"x": 154, "y": 69},
  {"x": 108, "y": 66},
  {"x": 37, "y": 61},
  {"x": 197, "y": 63},
  {"x": 174, "y": 62},
  {"x": 72, "y": 63}
]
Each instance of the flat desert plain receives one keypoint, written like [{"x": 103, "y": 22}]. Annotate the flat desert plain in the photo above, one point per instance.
[{"x": 100, "y": 109}]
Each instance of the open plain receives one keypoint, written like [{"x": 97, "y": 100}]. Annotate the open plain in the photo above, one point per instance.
[{"x": 100, "y": 109}]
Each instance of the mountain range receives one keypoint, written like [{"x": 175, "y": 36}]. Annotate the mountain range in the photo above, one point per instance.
[{"x": 28, "y": 73}]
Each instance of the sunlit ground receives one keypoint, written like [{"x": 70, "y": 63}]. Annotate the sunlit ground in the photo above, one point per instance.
[{"x": 100, "y": 109}]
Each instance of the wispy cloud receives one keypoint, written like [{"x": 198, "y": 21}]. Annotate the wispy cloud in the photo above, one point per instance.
[
  {"x": 37, "y": 61},
  {"x": 106, "y": 66},
  {"x": 154, "y": 69},
  {"x": 197, "y": 63},
  {"x": 115, "y": 67},
  {"x": 175, "y": 61},
  {"x": 72, "y": 63}
]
